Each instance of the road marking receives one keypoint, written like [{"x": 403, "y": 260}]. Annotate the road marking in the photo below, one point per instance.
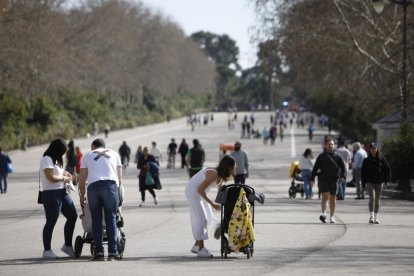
[{"x": 292, "y": 142}]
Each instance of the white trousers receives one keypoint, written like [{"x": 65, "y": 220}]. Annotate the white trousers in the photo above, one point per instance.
[{"x": 201, "y": 216}]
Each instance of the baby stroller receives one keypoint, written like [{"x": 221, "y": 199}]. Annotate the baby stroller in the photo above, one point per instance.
[
  {"x": 88, "y": 235},
  {"x": 295, "y": 187},
  {"x": 237, "y": 238}
]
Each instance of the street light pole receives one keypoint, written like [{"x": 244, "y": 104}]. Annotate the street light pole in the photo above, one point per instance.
[{"x": 379, "y": 6}]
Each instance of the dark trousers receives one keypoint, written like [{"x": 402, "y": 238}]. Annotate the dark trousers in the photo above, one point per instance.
[
  {"x": 54, "y": 202},
  {"x": 182, "y": 160},
  {"x": 240, "y": 179}
]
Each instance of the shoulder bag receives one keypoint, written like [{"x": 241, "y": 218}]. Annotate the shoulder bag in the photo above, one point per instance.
[{"x": 40, "y": 194}]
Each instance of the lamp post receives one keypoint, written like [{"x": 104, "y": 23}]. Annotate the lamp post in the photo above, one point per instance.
[{"x": 378, "y": 5}]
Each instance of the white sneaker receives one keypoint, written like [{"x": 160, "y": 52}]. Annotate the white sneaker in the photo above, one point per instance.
[
  {"x": 49, "y": 254},
  {"x": 142, "y": 204},
  {"x": 68, "y": 250},
  {"x": 332, "y": 220},
  {"x": 195, "y": 249},
  {"x": 155, "y": 201},
  {"x": 204, "y": 253}
]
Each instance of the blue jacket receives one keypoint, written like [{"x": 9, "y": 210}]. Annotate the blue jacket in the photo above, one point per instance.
[{"x": 4, "y": 159}]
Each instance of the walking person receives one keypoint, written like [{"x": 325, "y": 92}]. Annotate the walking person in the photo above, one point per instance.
[
  {"x": 56, "y": 198},
  {"x": 156, "y": 153},
  {"x": 125, "y": 153},
  {"x": 242, "y": 163},
  {"x": 4, "y": 161},
  {"x": 183, "y": 150},
  {"x": 346, "y": 157},
  {"x": 102, "y": 169},
  {"x": 359, "y": 156},
  {"x": 375, "y": 172},
  {"x": 71, "y": 160},
  {"x": 172, "y": 152},
  {"x": 306, "y": 166},
  {"x": 138, "y": 154},
  {"x": 195, "y": 158},
  {"x": 201, "y": 206},
  {"x": 144, "y": 167},
  {"x": 331, "y": 168}
]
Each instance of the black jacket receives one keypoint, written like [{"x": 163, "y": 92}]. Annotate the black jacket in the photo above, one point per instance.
[
  {"x": 375, "y": 169},
  {"x": 328, "y": 171}
]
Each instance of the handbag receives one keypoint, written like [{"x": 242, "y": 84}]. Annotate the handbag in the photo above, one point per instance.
[
  {"x": 149, "y": 180},
  {"x": 40, "y": 194},
  {"x": 222, "y": 195},
  {"x": 9, "y": 168}
]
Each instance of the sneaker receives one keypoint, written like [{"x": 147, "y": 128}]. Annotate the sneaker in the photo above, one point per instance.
[
  {"x": 371, "y": 220},
  {"x": 155, "y": 201},
  {"x": 332, "y": 220},
  {"x": 217, "y": 233},
  {"x": 142, "y": 204},
  {"x": 322, "y": 218},
  {"x": 68, "y": 250},
  {"x": 195, "y": 249},
  {"x": 204, "y": 253},
  {"x": 49, "y": 254},
  {"x": 376, "y": 221},
  {"x": 99, "y": 257},
  {"x": 114, "y": 256}
]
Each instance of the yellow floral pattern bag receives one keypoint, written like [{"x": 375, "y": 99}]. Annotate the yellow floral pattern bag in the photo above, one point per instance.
[{"x": 241, "y": 232}]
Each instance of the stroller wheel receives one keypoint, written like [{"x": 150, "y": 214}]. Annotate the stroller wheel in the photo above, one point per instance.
[
  {"x": 78, "y": 246},
  {"x": 248, "y": 252},
  {"x": 93, "y": 249},
  {"x": 122, "y": 242}
]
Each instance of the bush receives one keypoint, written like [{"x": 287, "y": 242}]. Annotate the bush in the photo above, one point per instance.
[
  {"x": 400, "y": 154},
  {"x": 71, "y": 113}
]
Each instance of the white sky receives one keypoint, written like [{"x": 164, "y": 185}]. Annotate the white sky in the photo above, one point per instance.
[{"x": 231, "y": 17}]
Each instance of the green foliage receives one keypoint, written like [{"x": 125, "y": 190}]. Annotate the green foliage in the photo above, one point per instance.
[
  {"x": 400, "y": 154},
  {"x": 13, "y": 114},
  {"x": 68, "y": 114}
]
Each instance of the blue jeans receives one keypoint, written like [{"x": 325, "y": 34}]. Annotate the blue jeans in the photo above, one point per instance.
[
  {"x": 103, "y": 194},
  {"x": 341, "y": 188},
  {"x": 3, "y": 179},
  {"x": 306, "y": 176},
  {"x": 54, "y": 202}
]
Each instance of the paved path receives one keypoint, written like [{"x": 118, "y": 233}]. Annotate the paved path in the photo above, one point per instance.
[{"x": 290, "y": 238}]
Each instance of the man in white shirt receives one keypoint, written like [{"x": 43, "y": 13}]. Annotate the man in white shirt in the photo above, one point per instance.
[
  {"x": 346, "y": 157},
  {"x": 156, "y": 152},
  {"x": 359, "y": 156},
  {"x": 102, "y": 169}
]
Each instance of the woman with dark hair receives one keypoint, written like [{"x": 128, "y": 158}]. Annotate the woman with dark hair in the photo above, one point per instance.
[
  {"x": 375, "y": 171},
  {"x": 306, "y": 166},
  {"x": 143, "y": 166},
  {"x": 201, "y": 207},
  {"x": 71, "y": 159},
  {"x": 56, "y": 199}
]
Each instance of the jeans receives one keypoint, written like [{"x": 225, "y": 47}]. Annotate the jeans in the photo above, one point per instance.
[
  {"x": 104, "y": 194},
  {"x": 306, "y": 176},
  {"x": 374, "y": 192},
  {"x": 341, "y": 189},
  {"x": 54, "y": 202},
  {"x": 240, "y": 179},
  {"x": 358, "y": 184},
  {"x": 3, "y": 179}
]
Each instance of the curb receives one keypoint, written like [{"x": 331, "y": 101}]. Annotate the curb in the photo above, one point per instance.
[{"x": 398, "y": 194}]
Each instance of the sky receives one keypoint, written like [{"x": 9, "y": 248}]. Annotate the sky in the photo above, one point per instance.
[{"x": 231, "y": 17}]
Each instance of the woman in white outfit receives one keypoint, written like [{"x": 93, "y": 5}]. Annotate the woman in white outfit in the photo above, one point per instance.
[{"x": 201, "y": 212}]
